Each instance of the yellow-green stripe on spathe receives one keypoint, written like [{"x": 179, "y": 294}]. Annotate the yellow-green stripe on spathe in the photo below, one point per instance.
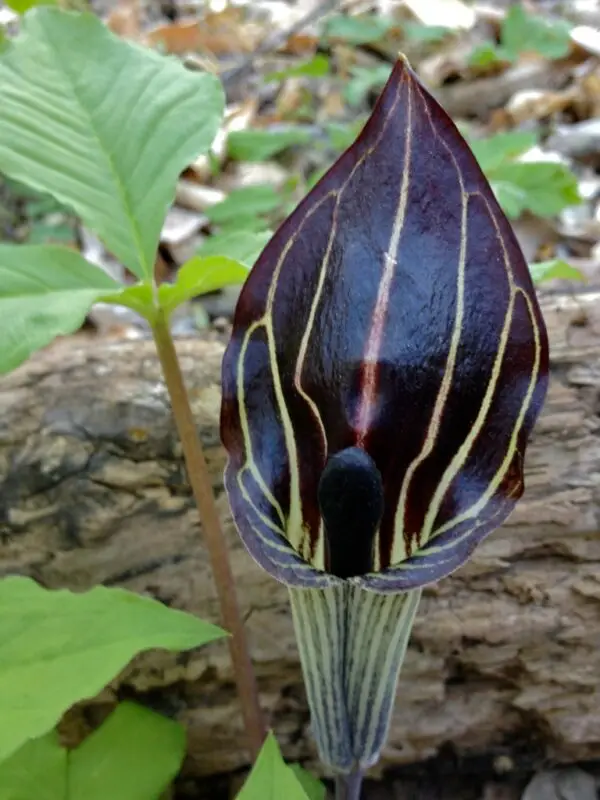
[
  {"x": 390, "y": 576},
  {"x": 399, "y": 546},
  {"x": 474, "y": 510},
  {"x": 461, "y": 456}
]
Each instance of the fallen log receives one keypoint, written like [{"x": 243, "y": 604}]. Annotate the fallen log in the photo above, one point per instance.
[{"x": 505, "y": 652}]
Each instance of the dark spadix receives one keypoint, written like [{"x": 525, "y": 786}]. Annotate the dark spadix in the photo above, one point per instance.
[{"x": 387, "y": 363}]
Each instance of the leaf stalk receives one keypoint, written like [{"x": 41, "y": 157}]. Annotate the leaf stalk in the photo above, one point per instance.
[{"x": 201, "y": 485}]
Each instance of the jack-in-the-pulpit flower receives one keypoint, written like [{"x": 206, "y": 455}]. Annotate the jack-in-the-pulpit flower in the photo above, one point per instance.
[{"x": 387, "y": 363}]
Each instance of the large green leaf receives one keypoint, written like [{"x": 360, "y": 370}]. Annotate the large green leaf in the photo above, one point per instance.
[
  {"x": 103, "y": 125},
  {"x": 271, "y": 778},
  {"x": 45, "y": 291},
  {"x": 134, "y": 755},
  {"x": 37, "y": 771},
  {"x": 58, "y": 647}
]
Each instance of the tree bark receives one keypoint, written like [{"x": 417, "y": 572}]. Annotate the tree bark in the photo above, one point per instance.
[{"x": 505, "y": 653}]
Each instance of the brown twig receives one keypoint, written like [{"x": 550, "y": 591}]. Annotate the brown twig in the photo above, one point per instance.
[{"x": 200, "y": 482}]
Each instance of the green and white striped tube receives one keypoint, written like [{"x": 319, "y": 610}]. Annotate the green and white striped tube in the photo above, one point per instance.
[{"x": 352, "y": 644}]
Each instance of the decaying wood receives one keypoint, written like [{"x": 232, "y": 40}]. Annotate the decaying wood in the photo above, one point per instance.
[{"x": 506, "y": 651}]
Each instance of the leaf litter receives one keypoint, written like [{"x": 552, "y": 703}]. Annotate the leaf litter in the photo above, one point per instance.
[{"x": 522, "y": 81}]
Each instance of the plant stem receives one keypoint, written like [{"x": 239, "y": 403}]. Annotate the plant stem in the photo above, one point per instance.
[
  {"x": 201, "y": 485},
  {"x": 347, "y": 787}
]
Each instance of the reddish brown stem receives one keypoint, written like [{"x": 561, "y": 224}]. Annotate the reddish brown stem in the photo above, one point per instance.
[{"x": 200, "y": 482}]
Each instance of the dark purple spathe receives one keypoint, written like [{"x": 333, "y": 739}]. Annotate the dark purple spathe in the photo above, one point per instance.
[{"x": 394, "y": 312}]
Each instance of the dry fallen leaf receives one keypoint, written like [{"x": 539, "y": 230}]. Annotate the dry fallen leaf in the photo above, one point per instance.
[
  {"x": 448, "y": 13},
  {"x": 255, "y": 174},
  {"x": 587, "y": 38},
  {"x": 180, "y": 225},
  {"x": 124, "y": 19},
  {"x": 176, "y": 38},
  {"x": 196, "y": 197},
  {"x": 300, "y": 44},
  {"x": 226, "y": 32},
  {"x": 536, "y": 103}
]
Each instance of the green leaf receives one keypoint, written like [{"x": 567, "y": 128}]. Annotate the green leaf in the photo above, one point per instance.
[
  {"x": 492, "y": 151},
  {"x": 253, "y": 224},
  {"x": 341, "y": 135},
  {"x": 363, "y": 29},
  {"x": 315, "y": 177},
  {"x": 37, "y": 771},
  {"x": 316, "y": 67},
  {"x": 103, "y": 125},
  {"x": 313, "y": 788},
  {"x": 488, "y": 54},
  {"x": 430, "y": 34},
  {"x": 512, "y": 198},
  {"x": 52, "y": 233},
  {"x": 21, "y": 6},
  {"x": 542, "y": 187},
  {"x": 45, "y": 291},
  {"x": 134, "y": 755},
  {"x": 241, "y": 245},
  {"x": 365, "y": 80},
  {"x": 257, "y": 145},
  {"x": 553, "y": 269},
  {"x": 525, "y": 33},
  {"x": 42, "y": 205},
  {"x": 248, "y": 201},
  {"x": 200, "y": 276},
  {"x": 59, "y": 647},
  {"x": 271, "y": 778},
  {"x": 140, "y": 298}
]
